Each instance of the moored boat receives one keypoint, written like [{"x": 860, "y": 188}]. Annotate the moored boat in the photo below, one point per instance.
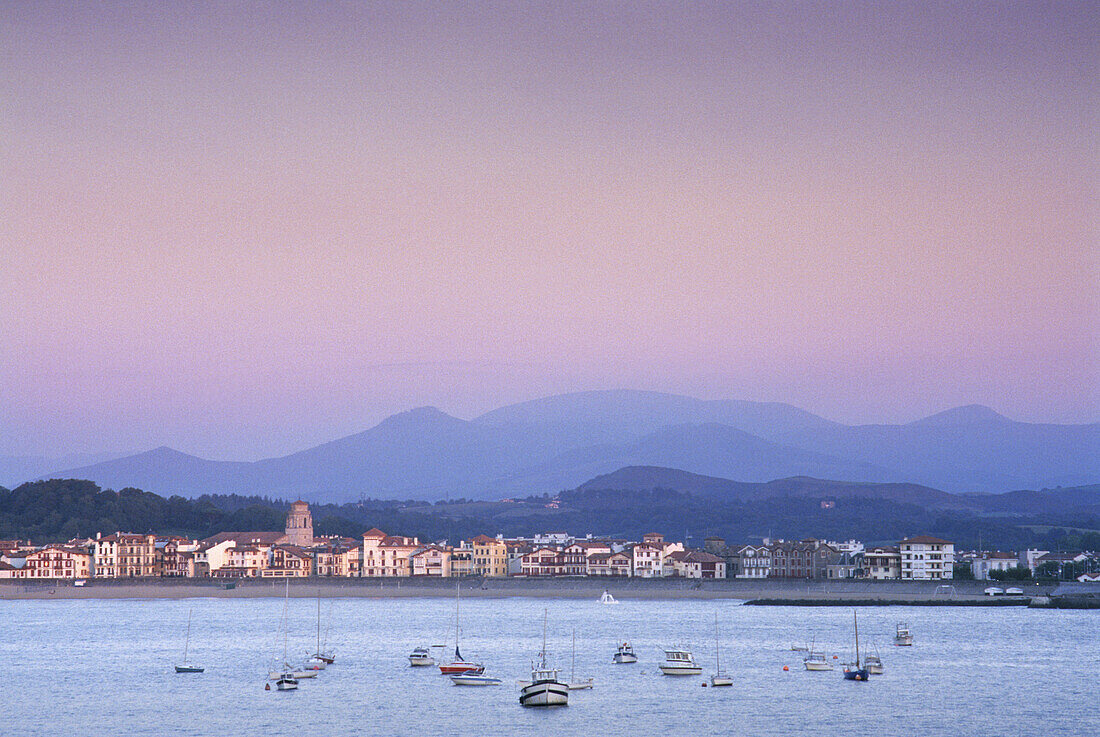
[
  {"x": 474, "y": 679},
  {"x": 545, "y": 688},
  {"x": 814, "y": 660},
  {"x": 625, "y": 654},
  {"x": 902, "y": 636},
  {"x": 679, "y": 662},
  {"x": 719, "y": 678},
  {"x": 459, "y": 664},
  {"x": 420, "y": 657},
  {"x": 607, "y": 598},
  {"x": 188, "y": 667},
  {"x": 853, "y": 671}
]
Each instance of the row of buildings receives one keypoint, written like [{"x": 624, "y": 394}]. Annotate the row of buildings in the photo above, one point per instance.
[{"x": 296, "y": 552}]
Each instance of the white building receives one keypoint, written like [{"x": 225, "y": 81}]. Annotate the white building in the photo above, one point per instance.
[
  {"x": 982, "y": 564},
  {"x": 925, "y": 558}
]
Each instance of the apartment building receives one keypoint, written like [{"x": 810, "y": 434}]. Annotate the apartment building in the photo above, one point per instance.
[{"x": 925, "y": 558}]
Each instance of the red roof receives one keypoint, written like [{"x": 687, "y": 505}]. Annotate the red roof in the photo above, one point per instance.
[
  {"x": 927, "y": 540},
  {"x": 374, "y": 532}
]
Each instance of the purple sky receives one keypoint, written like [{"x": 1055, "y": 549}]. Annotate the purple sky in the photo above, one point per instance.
[{"x": 242, "y": 229}]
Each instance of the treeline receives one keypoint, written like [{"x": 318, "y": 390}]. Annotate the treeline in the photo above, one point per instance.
[{"x": 59, "y": 510}]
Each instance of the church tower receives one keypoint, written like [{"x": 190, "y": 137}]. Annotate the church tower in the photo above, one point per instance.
[{"x": 299, "y": 525}]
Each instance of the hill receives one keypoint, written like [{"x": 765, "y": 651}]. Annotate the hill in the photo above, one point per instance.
[{"x": 559, "y": 442}]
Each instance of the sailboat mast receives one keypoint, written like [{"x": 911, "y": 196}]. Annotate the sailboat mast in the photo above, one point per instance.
[
  {"x": 318, "y": 621},
  {"x": 573, "y": 659},
  {"x": 543, "y": 653},
  {"x": 717, "y": 665},
  {"x": 855, "y": 620},
  {"x": 187, "y": 641},
  {"x": 286, "y": 607}
]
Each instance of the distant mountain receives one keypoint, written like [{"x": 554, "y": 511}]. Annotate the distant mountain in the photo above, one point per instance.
[
  {"x": 16, "y": 469},
  {"x": 968, "y": 449},
  {"x": 556, "y": 443},
  {"x": 650, "y": 478},
  {"x": 711, "y": 449},
  {"x": 615, "y": 416}
]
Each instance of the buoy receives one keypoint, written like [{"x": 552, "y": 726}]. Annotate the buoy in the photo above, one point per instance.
[
  {"x": 834, "y": 657},
  {"x": 267, "y": 687},
  {"x": 704, "y": 684},
  {"x": 785, "y": 667}
]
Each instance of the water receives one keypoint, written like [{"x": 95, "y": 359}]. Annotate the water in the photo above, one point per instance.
[{"x": 78, "y": 666}]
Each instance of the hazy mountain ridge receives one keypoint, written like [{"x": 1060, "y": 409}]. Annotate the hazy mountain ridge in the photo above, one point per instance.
[{"x": 560, "y": 442}]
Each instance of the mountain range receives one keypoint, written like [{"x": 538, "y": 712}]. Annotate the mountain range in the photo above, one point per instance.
[{"x": 563, "y": 441}]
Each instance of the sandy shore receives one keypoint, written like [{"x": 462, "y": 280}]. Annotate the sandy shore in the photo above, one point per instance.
[{"x": 776, "y": 592}]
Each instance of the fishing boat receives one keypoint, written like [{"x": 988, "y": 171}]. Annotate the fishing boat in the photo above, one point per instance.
[
  {"x": 459, "y": 664},
  {"x": 574, "y": 684},
  {"x": 679, "y": 662},
  {"x": 474, "y": 679},
  {"x": 286, "y": 680},
  {"x": 545, "y": 689},
  {"x": 188, "y": 667},
  {"x": 420, "y": 656},
  {"x": 873, "y": 664},
  {"x": 719, "y": 678},
  {"x": 902, "y": 636},
  {"x": 853, "y": 671},
  {"x": 815, "y": 660},
  {"x": 607, "y": 598},
  {"x": 625, "y": 654}
]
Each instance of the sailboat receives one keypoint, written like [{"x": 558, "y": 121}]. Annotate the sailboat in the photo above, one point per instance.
[
  {"x": 719, "y": 678},
  {"x": 854, "y": 672},
  {"x": 459, "y": 665},
  {"x": 815, "y": 660},
  {"x": 544, "y": 689},
  {"x": 286, "y": 680},
  {"x": 187, "y": 667},
  {"x": 320, "y": 658},
  {"x": 574, "y": 684}
]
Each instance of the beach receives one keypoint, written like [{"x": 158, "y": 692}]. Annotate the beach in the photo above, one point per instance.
[{"x": 758, "y": 591}]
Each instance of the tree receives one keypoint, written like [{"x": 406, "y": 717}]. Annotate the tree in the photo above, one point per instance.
[{"x": 963, "y": 572}]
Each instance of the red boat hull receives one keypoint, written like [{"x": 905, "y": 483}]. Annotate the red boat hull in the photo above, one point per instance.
[{"x": 452, "y": 669}]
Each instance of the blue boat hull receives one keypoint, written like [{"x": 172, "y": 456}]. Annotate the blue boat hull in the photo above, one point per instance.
[{"x": 856, "y": 675}]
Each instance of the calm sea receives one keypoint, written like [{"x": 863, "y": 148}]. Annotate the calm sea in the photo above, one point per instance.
[{"x": 80, "y": 667}]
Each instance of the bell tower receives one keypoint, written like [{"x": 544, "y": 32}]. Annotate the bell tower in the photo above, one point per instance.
[{"x": 299, "y": 525}]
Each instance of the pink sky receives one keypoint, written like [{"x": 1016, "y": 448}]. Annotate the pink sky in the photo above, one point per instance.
[{"x": 242, "y": 230}]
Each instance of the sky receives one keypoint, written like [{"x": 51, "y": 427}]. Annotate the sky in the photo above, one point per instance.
[{"x": 241, "y": 229}]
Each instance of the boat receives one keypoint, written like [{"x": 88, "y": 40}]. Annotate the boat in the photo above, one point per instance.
[
  {"x": 545, "y": 689},
  {"x": 625, "y": 654},
  {"x": 295, "y": 673},
  {"x": 474, "y": 679},
  {"x": 607, "y": 598},
  {"x": 420, "y": 656},
  {"x": 574, "y": 684},
  {"x": 459, "y": 664},
  {"x": 188, "y": 667},
  {"x": 853, "y": 671},
  {"x": 815, "y": 660},
  {"x": 719, "y": 678},
  {"x": 873, "y": 664},
  {"x": 799, "y": 649},
  {"x": 903, "y": 637},
  {"x": 679, "y": 662},
  {"x": 320, "y": 656},
  {"x": 286, "y": 680}
]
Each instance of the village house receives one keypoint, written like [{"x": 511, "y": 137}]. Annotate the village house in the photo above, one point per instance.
[
  {"x": 752, "y": 561},
  {"x": 694, "y": 564},
  {"x": 925, "y": 558},
  {"x": 395, "y": 554},
  {"x": 608, "y": 564},
  {"x": 984, "y": 563},
  {"x": 288, "y": 561},
  {"x": 432, "y": 560},
  {"x": 55, "y": 561},
  {"x": 882, "y": 563},
  {"x": 336, "y": 558},
  {"x": 804, "y": 559},
  {"x": 124, "y": 555},
  {"x": 176, "y": 557},
  {"x": 542, "y": 562},
  {"x": 490, "y": 556}
]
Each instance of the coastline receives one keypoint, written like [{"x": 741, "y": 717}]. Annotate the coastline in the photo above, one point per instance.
[{"x": 759, "y": 592}]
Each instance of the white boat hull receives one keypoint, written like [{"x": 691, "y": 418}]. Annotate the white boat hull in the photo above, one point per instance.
[
  {"x": 812, "y": 665},
  {"x": 544, "y": 693},
  {"x": 875, "y": 670},
  {"x": 580, "y": 685},
  {"x": 621, "y": 658},
  {"x": 474, "y": 680},
  {"x": 680, "y": 670},
  {"x": 419, "y": 661},
  {"x": 903, "y": 640},
  {"x": 721, "y": 681}
]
